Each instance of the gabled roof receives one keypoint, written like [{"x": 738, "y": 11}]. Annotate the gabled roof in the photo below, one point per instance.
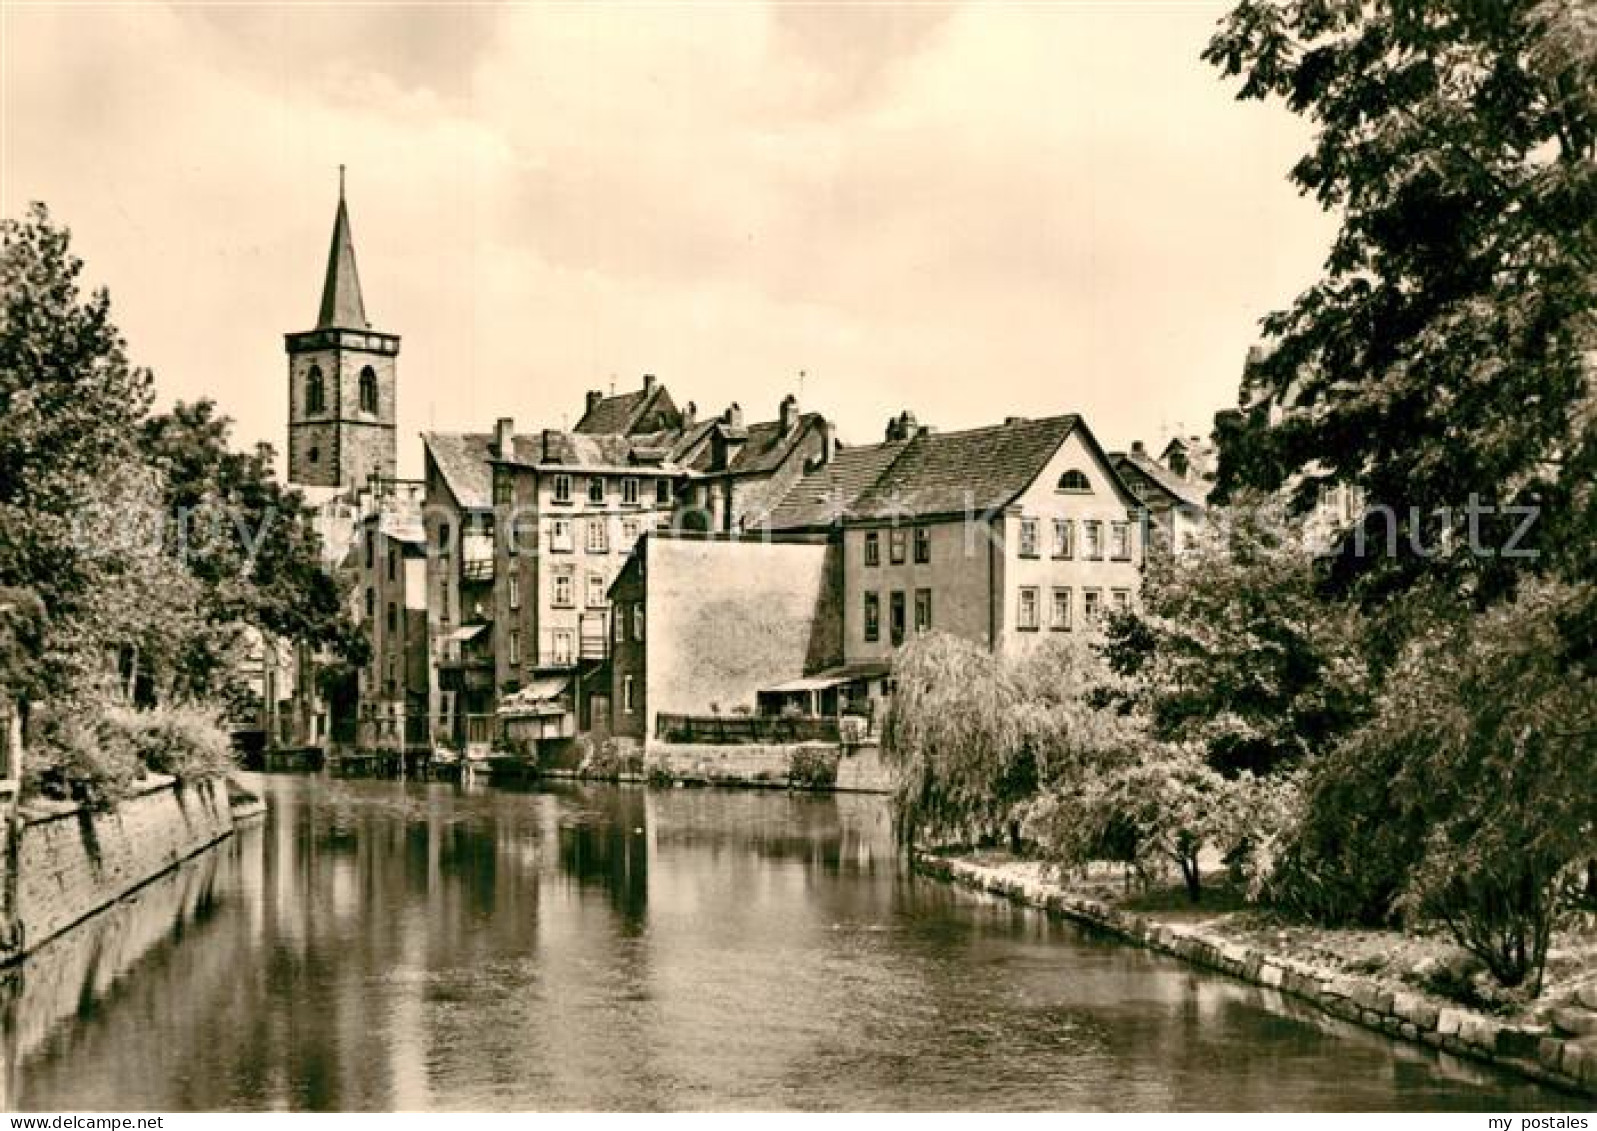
[
  {"x": 1186, "y": 492},
  {"x": 649, "y": 409},
  {"x": 824, "y": 496},
  {"x": 761, "y": 447},
  {"x": 462, "y": 459},
  {"x": 573, "y": 449},
  {"x": 342, "y": 306},
  {"x": 975, "y": 471}
]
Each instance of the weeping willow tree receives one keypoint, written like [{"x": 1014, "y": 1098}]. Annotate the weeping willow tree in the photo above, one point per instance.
[{"x": 975, "y": 737}]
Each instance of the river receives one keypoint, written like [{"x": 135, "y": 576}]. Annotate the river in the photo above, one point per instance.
[{"x": 377, "y": 945}]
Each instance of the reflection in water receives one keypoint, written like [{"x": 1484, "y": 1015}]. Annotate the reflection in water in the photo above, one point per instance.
[{"x": 382, "y": 945}]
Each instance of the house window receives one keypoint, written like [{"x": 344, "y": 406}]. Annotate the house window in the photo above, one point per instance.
[
  {"x": 895, "y": 546},
  {"x": 1121, "y": 599},
  {"x": 1091, "y": 603},
  {"x": 562, "y": 489},
  {"x": 315, "y": 455},
  {"x": 1027, "y": 618},
  {"x": 873, "y": 617},
  {"x": 923, "y": 610},
  {"x": 873, "y": 548},
  {"x": 393, "y": 617},
  {"x": 562, "y": 647},
  {"x": 1064, "y": 538},
  {"x": 515, "y": 646},
  {"x": 562, "y": 591},
  {"x": 1028, "y": 537},
  {"x": 923, "y": 545},
  {"x": 368, "y": 390},
  {"x": 895, "y": 615},
  {"x": 443, "y": 539},
  {"x": 315, "y": 392},
  {"x": 371, "y": 549},
  {"x": 1062, "y": 603},
  {"x": 515, "y": 591},
  {"x": 662, "y": 491},
  {"x": 1120, "y": 541},
  {"x": 629, "y": 532},
  {"x": 598, "y": 536},
  {"x": 501, "y": 487},
  {"x": 371, "y": 603},
  {"x": 637, "y": 621},
  {"x": 1074, "y": 480},
  {"x": 560, "y": 535},
  {"x": 628, "y": 698},
  {"x": 618, "y": 625},
  {"x": 595, "y": 590},
  {"x": 629, "y": 490},
  {"x": 393, "y": 560},
  {"x": 595, "y": 489},
  {"x": 1094, "y": 532}
]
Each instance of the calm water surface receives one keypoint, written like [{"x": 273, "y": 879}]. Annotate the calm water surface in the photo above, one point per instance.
[{"x": 383, "y": 945}]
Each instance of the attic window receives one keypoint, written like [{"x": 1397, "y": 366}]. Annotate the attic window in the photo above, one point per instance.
[{"x": 1074, "y": 480}]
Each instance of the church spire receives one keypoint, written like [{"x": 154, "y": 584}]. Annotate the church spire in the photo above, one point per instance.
[{"x": 342, "y": 307}]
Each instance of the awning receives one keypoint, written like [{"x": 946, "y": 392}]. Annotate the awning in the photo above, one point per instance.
[
  {"x": 540, "y": 697},
  {"x": 470, "y": 632},
  {"x": 832, "y": 677}
]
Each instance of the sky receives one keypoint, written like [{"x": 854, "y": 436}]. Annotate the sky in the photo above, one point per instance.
[{"x": 969, "y": 210}]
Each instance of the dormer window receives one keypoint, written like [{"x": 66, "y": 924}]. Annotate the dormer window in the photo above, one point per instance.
[
  {"x": 368, "y": 390},
  {"x": 1074, "y": 480},
  {"x": 315, "y": 391}
]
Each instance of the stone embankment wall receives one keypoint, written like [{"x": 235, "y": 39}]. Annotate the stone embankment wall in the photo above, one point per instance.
[
  {"x": 777, "y": 766},
  {"x": 1531, "y": 1051},
  {"x": 67, "y": 862}
]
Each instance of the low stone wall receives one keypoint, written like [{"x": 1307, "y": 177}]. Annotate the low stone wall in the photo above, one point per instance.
[
  {"x": 70, "y": 861},
  {"x": 776, "y": 766},
  {"x": 1529, "y": 1051}
]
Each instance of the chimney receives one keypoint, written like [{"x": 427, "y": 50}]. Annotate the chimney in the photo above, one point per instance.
[
  {"x": 648, "y": 382},
  {"x": 1010, "y": 420},
  {"x": 594, "y": 397},
  {"x": 688, "y": 414},
  {"x": 734, "y": 417},
  {"x": 1137, "y": 449},
  {"x": 901, "y": 427},
  {"x": 504, "y": 437},
  {"x": 827, "y": 443},
  {"x": 789, "y": 413}
]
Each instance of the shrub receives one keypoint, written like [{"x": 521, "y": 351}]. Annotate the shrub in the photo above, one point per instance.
[
  {"x": 812, "y": 767},
  {"x": 76, "y": 754},
  {"x": 187, "y": 742}
]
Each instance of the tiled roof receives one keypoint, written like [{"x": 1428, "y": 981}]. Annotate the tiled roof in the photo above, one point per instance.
[
  {"x": 822, "y": 497},
  {"x": 462, "y": 460},
  {"x": 763, "y": 447},
  {"x": 642, "y": 410},
  {"x": 576, "y": 449},
  {"x": 1188, "y": 492},
  {"x": 952, "y": 472}
]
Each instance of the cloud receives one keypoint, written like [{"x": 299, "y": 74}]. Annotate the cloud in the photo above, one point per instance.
[{"x": 972, "y": 211}]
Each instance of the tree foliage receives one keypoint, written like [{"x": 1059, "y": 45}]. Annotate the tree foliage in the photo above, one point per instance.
[{"x": 1443, "y": 352}]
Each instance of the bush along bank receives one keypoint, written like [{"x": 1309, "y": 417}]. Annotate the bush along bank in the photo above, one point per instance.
[{"x": 1556, "y": 1054}]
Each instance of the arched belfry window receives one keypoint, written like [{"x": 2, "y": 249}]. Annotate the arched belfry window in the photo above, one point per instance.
[
  {"x": 368, "y": 390},
  {"x": 315, "y": 390},
  {"x": 1074, "y": 480}
]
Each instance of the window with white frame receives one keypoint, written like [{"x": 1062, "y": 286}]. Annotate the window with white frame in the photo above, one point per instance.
[
  {"x": 562, "y": 488},
  {"x": 896, "y": 541},
  {"x": 561, "y": 646},
  {"x": 618, "y": 624},
  {"x": 560, "y": 535},
  {"x": 873, "y": 548},
  {"x": 562, "y": 591},
  {"x": 923, "y": 610},
  {"x": 629, "y": 702},
  {"x": 1120, "y": 599},
  {"x": 637, "y": 621},
  {"x": 923, "y": 545},
  {"x": 1028, "y": 537},
  {"x": 1093, "y": 529},
  {"x": 1091, "y": 603},
  {"x": 515, "y": 590},
  {"x": 1120, "y": 541},
  {"x": 515, "y": 646},
  {"x": 629, "y": 489},
  {"x": 1062, "y": 609},
  {"x": 595, "y": 488},
  {"x": 629, "y": 533},
  {"x": 598, "y": 536},
  {"x": 1064, "y": 538},
  {"x": 1026, "y": 617},
  {"x": 595, "y": 590}
]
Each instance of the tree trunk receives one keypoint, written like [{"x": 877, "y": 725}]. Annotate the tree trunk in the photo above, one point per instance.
[
  {"x": 1591, "y": 881},
  {"x": 1189, "y": 873},
  {"x": 1014, "y": 838}
]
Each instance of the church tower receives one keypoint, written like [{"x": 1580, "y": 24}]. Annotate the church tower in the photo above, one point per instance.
[{"x": 342, "y": 382}]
